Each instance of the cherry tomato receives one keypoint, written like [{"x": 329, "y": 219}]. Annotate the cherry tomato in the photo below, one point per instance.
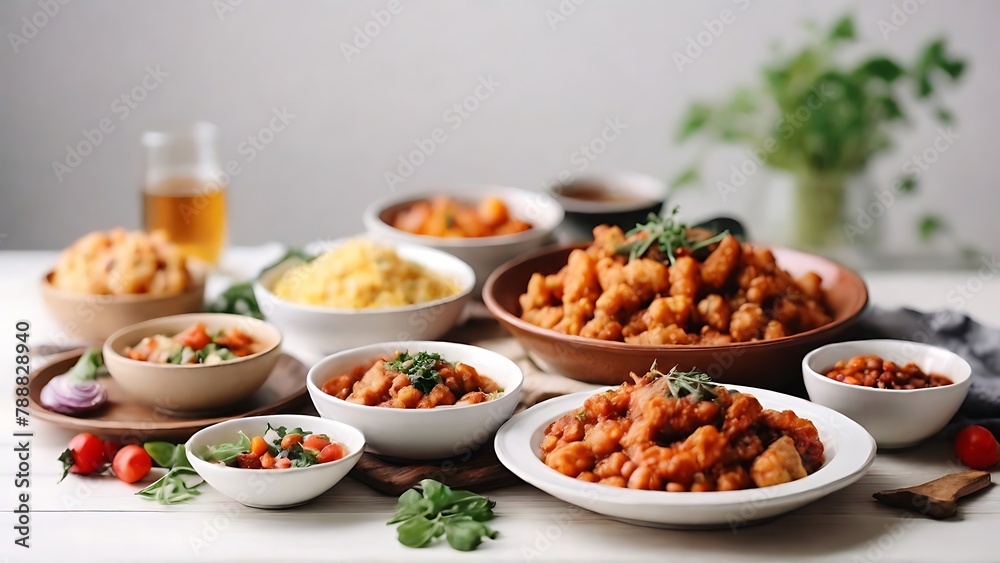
[
  {"x": 86, "y": 455},
  {"x": 316, "y": 442},
  {"x": 977, "y": 447},
  {"x": 131, "y": 463},
  {"x": 282, "y": 463},
  {"x": 332, "y": 452},
  {"x": 110, "y": 449}
]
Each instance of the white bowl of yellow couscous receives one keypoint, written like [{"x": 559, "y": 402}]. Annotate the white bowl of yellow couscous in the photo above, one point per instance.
[{"x": 356, "y": 292}]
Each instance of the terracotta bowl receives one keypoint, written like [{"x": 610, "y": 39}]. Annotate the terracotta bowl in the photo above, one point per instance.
[
  {"x": 771, "y": 364},
  {"x": 193, "y": 389},
  {"x": 91, "y": 317}
]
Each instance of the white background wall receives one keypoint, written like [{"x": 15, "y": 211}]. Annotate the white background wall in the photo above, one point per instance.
[{"x": 353, "y": 119}]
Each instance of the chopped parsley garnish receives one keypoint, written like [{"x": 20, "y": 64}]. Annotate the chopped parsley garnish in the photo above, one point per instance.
[{"x": 420, "y": 368}]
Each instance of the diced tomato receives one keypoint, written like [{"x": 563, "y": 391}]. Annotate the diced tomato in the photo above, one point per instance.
[
  {"x": 332, "y": 452},
  {"x": 249, "y": 461},
  {"x": 267, "y": 461},
  {"x": 316, "y": 442},
  {"x": 195, "y": 337},
  {"x": 290, "y": 439},
  {"x": 282, "y": 463},
  {"x": 238, "y": 342}
]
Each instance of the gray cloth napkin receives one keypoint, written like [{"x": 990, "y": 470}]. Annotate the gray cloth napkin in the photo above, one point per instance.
[{"x": 978, "y": 344}]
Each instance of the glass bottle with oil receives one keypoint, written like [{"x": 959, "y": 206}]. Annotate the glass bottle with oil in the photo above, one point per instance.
[{"x": 185, "y": 190}]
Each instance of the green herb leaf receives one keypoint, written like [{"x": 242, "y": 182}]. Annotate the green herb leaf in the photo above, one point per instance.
[
  {"x": 843, "y": 29},
  {"x": 166, "y": 454},
  {"x": 696, "y": 119},
  {"x": 238, "y": 299},
  {"x": 465, "y": 534},
  {"x": 882, "y": 67},
  {"x": 687, "y": 177},
  {"x": 178, "y": 485},
  {"x": 930, "y": 225},
  {"x": 907, "y": 184},
  {"x": 410, "y": 504},
  {"x": 418, "y": 532},
  {"x": 88, "y": 366},
  {"x": 419, "y": 368},
  {"x": 67, "y": 461},
  {"x": 224, "y": 453},
  {"x": 668, "y": 234},
  {"x": 302, "y": 457}
]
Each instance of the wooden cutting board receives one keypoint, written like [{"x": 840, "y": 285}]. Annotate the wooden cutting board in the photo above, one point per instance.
[{"x": 481, "y": 472}]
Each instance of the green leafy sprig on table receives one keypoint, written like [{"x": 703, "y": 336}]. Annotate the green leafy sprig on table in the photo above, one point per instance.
[
  {"x": 431, "y": 509},
  {"x": 181, "y": 481},
  {"x": 695, "y": 384},
  {"x": 239, "y": 298},
  {"x": 420, "y": 368},
  {"x": 668, "y": 234}
]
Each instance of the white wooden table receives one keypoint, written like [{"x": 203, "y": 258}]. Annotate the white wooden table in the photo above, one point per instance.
[{"x": 99, "y": 519}]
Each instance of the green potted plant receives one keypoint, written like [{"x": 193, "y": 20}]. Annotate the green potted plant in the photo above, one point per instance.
[{"x": 823, "y": 121}]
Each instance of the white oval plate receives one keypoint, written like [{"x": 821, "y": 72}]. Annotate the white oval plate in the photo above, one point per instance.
[{"x": 849, "y": 451}]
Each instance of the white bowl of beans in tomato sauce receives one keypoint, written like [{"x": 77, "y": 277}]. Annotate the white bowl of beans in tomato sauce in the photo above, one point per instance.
[
  {"x": 359, "y": 387},
  {"x": 902, "y": 392}
]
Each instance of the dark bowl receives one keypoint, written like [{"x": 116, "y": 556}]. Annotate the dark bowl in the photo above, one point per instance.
[
  {"x": 771, "y": 364},
  {"x": 607, "y": 198}
]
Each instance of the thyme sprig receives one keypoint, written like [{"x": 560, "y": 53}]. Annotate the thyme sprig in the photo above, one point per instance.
[
  {"x": 669, "y": 234},
  {"x": 695, "y": 383}
]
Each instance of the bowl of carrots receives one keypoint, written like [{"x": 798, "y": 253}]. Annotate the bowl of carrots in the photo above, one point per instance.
[{"x": 484, "y": 226}]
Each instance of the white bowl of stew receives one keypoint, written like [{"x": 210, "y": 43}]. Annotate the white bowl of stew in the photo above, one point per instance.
[
  {"x": 896, "y": 416},
  {"x": 419, "y": 433}
]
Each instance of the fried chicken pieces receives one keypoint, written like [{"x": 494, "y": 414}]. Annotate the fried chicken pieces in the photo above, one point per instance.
[
  {"x": 737, "y": 294},
  {"x": 641, "y": 437}
]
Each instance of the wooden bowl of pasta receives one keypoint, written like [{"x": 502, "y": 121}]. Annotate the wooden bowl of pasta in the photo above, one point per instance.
[
  {"x": 108, "y": 280},
  {"x": 771, "y": 363}
]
